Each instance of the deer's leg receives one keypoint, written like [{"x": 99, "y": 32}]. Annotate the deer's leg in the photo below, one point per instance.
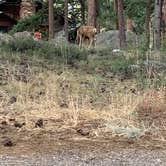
[
  {"x": 80, "y": 42},
  {"x": 91, "y": 42}
]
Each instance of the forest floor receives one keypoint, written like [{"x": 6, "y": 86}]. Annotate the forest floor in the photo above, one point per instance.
[{"x": 51, "y": 109}]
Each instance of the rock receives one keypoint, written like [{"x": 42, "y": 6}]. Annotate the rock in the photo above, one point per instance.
[
  {"x": 4, "y": 123},
  {"x": 59, "y": 38},
  {"x": 5, "y": 37},
  {"x": 23, "y": 35},
  {"x": 39, "y": 123},
  {"x": 12, "y": 100},
  {"x": 18, "y": 125},
  {"x": 83, "y": 131},
  {"x": 7, "y": 142},
  {"x": 11, "y": 119},
  {"x": 111, "y": 39}
]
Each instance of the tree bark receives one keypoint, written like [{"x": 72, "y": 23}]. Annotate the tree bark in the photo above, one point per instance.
[
  {"x": 116, "y": 25},
  {"x": 92, "y": 14},
  {"x": 51, "y": 19},
  {"x": 164, "y": 20},
  {"x": 122, "y": 34},
  {"x": 27, "y": 8},
  {"x": 66, "y": 20},
  {"x": 147, "y": 22},
  {"x": 129, "y": 26},
  {"x": 157, "y": 28},
  {"x": 82, "y": 11}
]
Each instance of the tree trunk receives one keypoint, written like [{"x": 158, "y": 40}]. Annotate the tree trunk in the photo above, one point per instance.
[
  {"x": 163, "y": 20},
  {"x": 129, "y": 26},
  {"x": 27, "y": 8},
  {"x": 82, "y": 11},
  {"x": 147, "y": 22},
  {"x": 66, "y": 20},
  {"x": 122, "y": 34},
  {"x": 92, "y": 14},
  {"x": 116, "y": 24},
  {"x": 157, "y": 28},
  {"x": 51, "y": 19}
]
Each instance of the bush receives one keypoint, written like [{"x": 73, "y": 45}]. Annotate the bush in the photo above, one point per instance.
[
  {"x": 20, "y": 45},
  {"x": 121, "y": 65},
  {"x": 68, "y": 53},
  {"x": 28, "y": 24}
]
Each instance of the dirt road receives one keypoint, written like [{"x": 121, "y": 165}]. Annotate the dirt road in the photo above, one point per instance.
[{"x": 127, "y": 157}]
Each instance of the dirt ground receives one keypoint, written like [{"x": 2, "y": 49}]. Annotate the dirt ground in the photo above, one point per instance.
[
  {"x": 68, "y": 147},
  {"x": 40, "y": 140},
  {"x": 104, "y": 122}
]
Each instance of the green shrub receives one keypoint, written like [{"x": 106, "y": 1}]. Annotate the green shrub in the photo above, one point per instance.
[
  {"x": 20, "y": 45},
  {"x": 121, "y": 65},
  {"x": 67, "y": 53},
  {"x": 28, "y": 24}
]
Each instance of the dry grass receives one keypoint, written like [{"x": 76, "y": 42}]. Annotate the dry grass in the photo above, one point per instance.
[{"x": 73, "y": 98}]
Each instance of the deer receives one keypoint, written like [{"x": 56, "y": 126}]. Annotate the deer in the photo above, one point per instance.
[{"x": 86, "y": 32}]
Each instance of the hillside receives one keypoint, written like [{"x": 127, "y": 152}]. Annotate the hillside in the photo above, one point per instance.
[{"x": 95, "y": 95}]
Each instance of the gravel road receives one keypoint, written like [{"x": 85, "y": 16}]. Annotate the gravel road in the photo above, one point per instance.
[{"x": 127, "y": 157}]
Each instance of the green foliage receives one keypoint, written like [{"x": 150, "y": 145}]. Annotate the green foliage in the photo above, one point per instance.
[
  {"x": 121, "y": 65},
  {"x": 19, "y": 45},
  {"x": 28, "y": 24},
  {"x": 68, "y": 53},
  {"x": 64, "y": 53},
  {"x": 106, "y": 13}
]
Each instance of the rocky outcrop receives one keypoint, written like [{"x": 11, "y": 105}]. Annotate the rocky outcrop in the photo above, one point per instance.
[
  {"x": 111, "y": 39},
  {"x": 21, "y": 35},
  {"x": 27, "y": 8},
  {"x": 59, "y": 38}
]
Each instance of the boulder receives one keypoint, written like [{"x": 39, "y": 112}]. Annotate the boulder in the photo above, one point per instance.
[
  {"x": 4, "y": 37},
  {"x": 59, "y": 38},
  {"x": 23, "y": 35},
  {"x": 111, "y": 39}
]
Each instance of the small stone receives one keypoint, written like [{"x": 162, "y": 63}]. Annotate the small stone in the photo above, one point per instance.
[
  {"x": 83, "y": 131},
  {"x": 12, "y": 119},
  {"x": 18, "y": 125},
  {"x": 12, "y": 100},
  {"x": 7, "y": 142},
  {"x": 39, "y": 123},
  {"x": 4, "y": 123}
]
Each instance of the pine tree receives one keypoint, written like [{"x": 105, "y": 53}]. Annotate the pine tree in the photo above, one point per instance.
[
  {"x": 157, "y": 26},
  {"x": 51, "y": 18},
  {"x": 66, "y": 20},
  {"x": 92, "y": 14},
  {"x": 122, "y": 34}
]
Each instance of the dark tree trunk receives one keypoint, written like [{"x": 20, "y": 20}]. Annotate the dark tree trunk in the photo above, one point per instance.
[
  {"x": 66, "y": 20},
  {"x": 147, "y": 22},
  {"x": 82, "y": 11},
  {"x": 51, "y": 19},
  {"x": 163, "y": 20},
  {"x": 122, "y": 34},
  {"x": 157, "y": 28},
  {"x": 116, "y": 24},
  {"x": 92, "y": 14}
]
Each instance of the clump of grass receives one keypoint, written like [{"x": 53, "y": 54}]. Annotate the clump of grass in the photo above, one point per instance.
[{"x": 67, "y": 54}]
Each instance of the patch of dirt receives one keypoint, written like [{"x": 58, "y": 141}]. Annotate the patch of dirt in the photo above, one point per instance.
[{"x": 40, "y": 140}]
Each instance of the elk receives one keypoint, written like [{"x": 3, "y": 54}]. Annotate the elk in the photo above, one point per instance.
[{"x": 86, "y": 32}]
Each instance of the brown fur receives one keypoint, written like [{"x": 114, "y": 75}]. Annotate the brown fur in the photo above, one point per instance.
[{"x": 86, "y": 32}]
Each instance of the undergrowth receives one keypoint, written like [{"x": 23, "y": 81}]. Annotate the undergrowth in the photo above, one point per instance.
[{"x": 84, "y": 84}]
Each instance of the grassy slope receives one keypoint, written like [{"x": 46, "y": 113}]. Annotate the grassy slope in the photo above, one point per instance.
[{"x": 99, "y": 87}]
